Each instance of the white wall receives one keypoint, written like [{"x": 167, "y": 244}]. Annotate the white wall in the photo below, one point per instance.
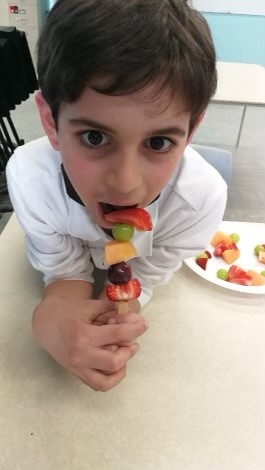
[{"x": 4, "y": 21}]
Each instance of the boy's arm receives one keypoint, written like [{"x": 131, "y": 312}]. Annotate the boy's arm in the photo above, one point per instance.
[{"x": 66, "y": 322}]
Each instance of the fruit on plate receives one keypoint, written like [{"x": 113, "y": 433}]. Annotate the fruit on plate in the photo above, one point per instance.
[
  {"x": 124, "y": 292},
  {"x": 202, "y": 259},
  {"x": 137, "y": 217},
  {"x": 228, "y": 251},
  {"x": 237, "y": 275},
  {"x": 259, "y": 251},
  {"x": 225, "y": 246},
  {"x": 231, "y": 255},
  {"x": 234, "y": 237},
  {"x": 257, "y": 279},
  {"x": 259, "y": 248},
  {"x": 220, "y": 237},
  {"x": 222, "y": 274},
  {"x": 116, "y": 252},
  {"x": 262, "y": 257},
  {"x": 202, "y": 262}
]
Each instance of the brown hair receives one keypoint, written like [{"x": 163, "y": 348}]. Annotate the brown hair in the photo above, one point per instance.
[{"x": 133, "y": 43}]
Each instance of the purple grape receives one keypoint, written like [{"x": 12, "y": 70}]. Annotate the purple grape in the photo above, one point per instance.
[{"x": 119, "y": 273}]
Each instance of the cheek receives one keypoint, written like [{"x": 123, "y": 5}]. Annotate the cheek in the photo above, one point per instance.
[{"x": 160, "y": 174}]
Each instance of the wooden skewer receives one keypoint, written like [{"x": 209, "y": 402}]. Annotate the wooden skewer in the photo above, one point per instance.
[{"x": 123, "y": 307}]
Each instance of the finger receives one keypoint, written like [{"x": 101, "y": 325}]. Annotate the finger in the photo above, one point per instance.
[
  {"x": 104, "y": 359},
  {"x": 134, "y": 347},
  {"x": 125, "y": 318},
  {"x": 113, "y": 317},
  {"x": 99, "y": 307},
  {"x": 105, "y": 317},
  {"x": 118, "y": 333},
  {"x": 101, "y": 382}
]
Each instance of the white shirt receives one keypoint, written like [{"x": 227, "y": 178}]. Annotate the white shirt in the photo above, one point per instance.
[{"x": 62, "y": 239}]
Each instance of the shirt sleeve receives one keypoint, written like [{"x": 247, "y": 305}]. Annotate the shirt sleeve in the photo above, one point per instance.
[
  {"x": 182, "y": 235},
  {"x": 56, "y": 254}
]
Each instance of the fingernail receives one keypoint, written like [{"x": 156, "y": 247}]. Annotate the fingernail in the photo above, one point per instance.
[{"x": 111, "y": 321}]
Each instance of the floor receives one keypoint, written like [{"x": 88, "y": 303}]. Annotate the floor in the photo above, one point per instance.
[{"x": 246, "y": 198}]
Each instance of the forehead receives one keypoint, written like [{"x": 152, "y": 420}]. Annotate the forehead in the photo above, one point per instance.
[{"x": 148, "y": 103}]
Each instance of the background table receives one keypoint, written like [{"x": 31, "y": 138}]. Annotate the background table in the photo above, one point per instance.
[
  {"x": 240, "y": 84},
  {"x": 193, "y": 398}
]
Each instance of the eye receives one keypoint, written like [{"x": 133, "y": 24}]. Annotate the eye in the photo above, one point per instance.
[
  {"x": 94, "y": 138},
  {"x": 160, "y": 143}
]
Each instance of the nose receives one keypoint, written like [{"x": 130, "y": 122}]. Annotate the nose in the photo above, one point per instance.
[{"x": 125, "y": 172}]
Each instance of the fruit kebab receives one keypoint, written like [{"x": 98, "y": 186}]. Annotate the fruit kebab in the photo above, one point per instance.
[{"x": 117, "y": 252}]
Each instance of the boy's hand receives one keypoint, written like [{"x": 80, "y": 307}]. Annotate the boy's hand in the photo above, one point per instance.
[{"x": 67, "y": 329}]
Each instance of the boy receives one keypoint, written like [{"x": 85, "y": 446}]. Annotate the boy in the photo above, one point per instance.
[{"x": 124, "y": 85}]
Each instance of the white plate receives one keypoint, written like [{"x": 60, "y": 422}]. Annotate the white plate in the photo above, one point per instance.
[{"x": 251, "y": 234}]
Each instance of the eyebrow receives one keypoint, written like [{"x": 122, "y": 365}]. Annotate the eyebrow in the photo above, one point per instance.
[{"x": 97, "y": 125}]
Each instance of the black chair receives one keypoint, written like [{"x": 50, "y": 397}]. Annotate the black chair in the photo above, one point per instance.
[{"x": 17, "y": 81}]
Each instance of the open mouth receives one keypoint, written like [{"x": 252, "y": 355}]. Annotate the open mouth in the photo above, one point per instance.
[{"x": 107, "y": 208}]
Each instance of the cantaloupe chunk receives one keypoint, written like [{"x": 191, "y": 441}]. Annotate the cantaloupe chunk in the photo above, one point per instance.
[
  {"x": 230, "y": 256},
  {"x": 257, "y": 279},
  {"x": 262, "y": 257},
  {"x": 220, "y": 237},
  {"x": 116, "y": 252}
]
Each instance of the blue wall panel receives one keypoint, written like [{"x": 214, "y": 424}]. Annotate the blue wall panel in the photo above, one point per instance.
[{"x": 238, "y": 38}]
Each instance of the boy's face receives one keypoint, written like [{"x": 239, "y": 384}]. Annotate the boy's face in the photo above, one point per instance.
[{"x": 119, "y": 150}]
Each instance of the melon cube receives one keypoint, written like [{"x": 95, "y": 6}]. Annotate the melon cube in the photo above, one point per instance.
[
  {"x": 230, "y": 256},
  {"x": 257, "y": 279},
  {"x": 116, "y": 252},
  {"x": 220, "y": 237},
  {"x": 262, "y": 257}
]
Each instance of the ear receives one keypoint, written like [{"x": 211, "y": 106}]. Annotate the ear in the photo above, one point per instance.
[
  {"x": 198, "y": 122},
  {"x": 47, "y": 120}
]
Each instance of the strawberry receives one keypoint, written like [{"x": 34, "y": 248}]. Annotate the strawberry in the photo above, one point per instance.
[
  {"x": 129, "y": 290},
  {"x": 137, "y": 217},
  {"x": 202, "y": 262},
  {"x": 223, "y": 246},
  {"x": 208, "y": 254},
  {"x": 237, "y": 275}
]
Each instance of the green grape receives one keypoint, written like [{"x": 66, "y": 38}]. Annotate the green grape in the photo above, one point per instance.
[
  {"x": 222, "y": 274},
  {"x": 258, "y": 248},
  {"x": 263, "y": 273},
  {"x": 202, "y": 255},
  {"x": 122, "y": 232},
  {"x": 234, "y": 237}
]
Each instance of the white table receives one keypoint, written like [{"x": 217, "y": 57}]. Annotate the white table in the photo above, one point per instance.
[
  {"x": 193, "y": 398},
  {"x": 240, "y": 84}
]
